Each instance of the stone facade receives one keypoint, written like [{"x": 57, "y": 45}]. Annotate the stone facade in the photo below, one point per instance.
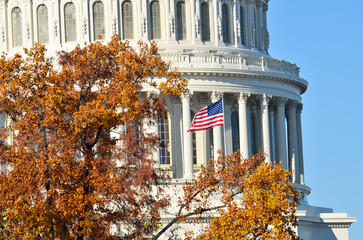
[{"x": 221, "y": 47}]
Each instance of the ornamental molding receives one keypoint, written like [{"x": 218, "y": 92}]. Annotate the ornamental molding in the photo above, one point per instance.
[
  {"x": 243, "y": 98},
  {"x": 2, "y": 31},
  {"x": 281, "y": 101},
  {"x": 186, "y": 96},
  {"x": 334, "y": 225},
  {"x": 216, "y": 96},
  {"x": 203, "y": 97},
  {"x": 299, "y": 82},
  {"x": 291, "y": 106}
]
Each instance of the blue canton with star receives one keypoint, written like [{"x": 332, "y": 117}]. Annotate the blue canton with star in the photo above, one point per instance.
[{"x": 215, "y": 108}]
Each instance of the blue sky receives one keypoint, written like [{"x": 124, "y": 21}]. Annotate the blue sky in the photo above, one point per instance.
[{"x": 325, "y": 38}]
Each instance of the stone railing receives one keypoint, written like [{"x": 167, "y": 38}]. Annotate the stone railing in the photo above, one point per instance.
[{"x": 230, "y": 61}]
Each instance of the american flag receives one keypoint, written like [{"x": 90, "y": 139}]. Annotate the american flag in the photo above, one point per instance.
[{"x": 208, "y": 117}]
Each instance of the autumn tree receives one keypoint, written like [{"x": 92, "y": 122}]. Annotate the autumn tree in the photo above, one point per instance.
[
  {"x": 80, "y": 164},
  {"x": 246, "y": 199}
]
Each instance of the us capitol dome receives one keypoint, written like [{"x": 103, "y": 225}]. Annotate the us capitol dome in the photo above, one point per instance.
[{"x": 221, "y": 47}]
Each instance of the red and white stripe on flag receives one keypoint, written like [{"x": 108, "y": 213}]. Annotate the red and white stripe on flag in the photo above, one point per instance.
[{"x": 208, "y": 117}]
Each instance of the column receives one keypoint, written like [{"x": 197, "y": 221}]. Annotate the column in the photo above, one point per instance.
[
  {"x": 236, "y": 33},
  {"x": 293, "y": 144},
  {"x": 228, "y": 127},
  {"x": 177, "y": 136},
  {"x": 217, "y": 131},
  {"x": 281, "y": 132},
  {"x": 197, "y": 22},
  {"x": 187, "y": 137},
  {"x": 259, "y": 27},
  {"x": 249, "y": 23},
  {"x": 264, "y": 100},
  {"x": 300, "y": 143},
  {"x": 272, "y": 122},
  {"x": 243, "y": 124},
  {"x": 265, "y": 34}
]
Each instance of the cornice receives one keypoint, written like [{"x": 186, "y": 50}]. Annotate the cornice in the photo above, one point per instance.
[{"x": 298, "y": 82}]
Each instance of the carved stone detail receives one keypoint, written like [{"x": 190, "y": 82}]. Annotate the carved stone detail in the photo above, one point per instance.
[
  {"x": 27, "y": 30},
  {"x": 114, "y": 25},
  {"x": 216, "y": 96},
  {"x": 172, "y": 25},
  {"x": 243, "y": 98},
  {"x": 197, "y": 29},
  {"x": 185, "y": 97},
  {"x": 299, "y": 108},
  {"x": 254, "y": 36},
  {"x": 55, "y": 27},
  {"x": 84, "y": 26},
  {"x": 2, "y": 33},
  {"x": 281, "y": 101},
  {"x": 143, "y": 24},
  {"x": 203, "y": 98},
  {"x": 238, "y": 29},
  {"x": 175, "y": 99},
  {"x": 219, "y": 24},
  {"x": 228, "y": 98},
  {"x": 291, "y": 105}
]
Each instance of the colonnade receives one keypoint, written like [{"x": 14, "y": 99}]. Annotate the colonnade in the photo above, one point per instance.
[{"x": 278, "y": 128}]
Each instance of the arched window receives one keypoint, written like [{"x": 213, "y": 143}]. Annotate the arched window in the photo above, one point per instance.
[
  {"x": 127, "y": 20},
  {"x": 43, "y": 30},
  {"x": 225, "y": 24},
  {"x": 70, "y": 22},
  {"x": 194, "y": 140},
  {"x": 17, "y": 27},
  {"x": 181, "y": 21},
  {"x": 155, "y": 20},
  {"x": 98, "y": 21},
  {"x": 164, "y": 149},
  {"x": 235, "y": 131},
  {"x": 242, "y": 25},
  {"x": 205, "y": 22}
]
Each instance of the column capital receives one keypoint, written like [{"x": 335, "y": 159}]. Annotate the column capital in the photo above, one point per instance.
[
  {"x": 243, "y": 98},
  {"x": 281, "y": 101},
  {"x": 299, "y": 108},
  {"x": 291, "y": 105},
  {"x": 185, "y": 97},
  {"x": 264, "y": 99},
  {"x": 216, "y": 96}
]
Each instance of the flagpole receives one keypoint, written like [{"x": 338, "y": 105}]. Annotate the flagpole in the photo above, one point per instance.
[{"x": 224, "y": 128}]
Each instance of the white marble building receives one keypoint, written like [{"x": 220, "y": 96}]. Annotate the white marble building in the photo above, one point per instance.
[{"x": 221, "y": 46}]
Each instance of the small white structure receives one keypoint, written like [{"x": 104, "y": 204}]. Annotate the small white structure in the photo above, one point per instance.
[{"x": 221, "y": 47}]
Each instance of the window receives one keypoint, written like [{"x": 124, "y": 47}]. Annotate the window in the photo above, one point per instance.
[
  {"x": 164, "y": 149},
  {"x": 70, "y": 22},
  {"x": 225, "y": 24},
  {"x": 194, "y": 140},
  {"x": 181, "y": 21},
  {"x": 155, "y": 20},
  {"x": 43, "y": 30},
  {"x": 235, "y": 131},
  {"x": 17, "y": 27},
  {"x": 127, "y": 20},
  {"x": 241, "y": 22},
  {"x": 205, "y": 22},
  {"x": 98, "y": 21}
]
